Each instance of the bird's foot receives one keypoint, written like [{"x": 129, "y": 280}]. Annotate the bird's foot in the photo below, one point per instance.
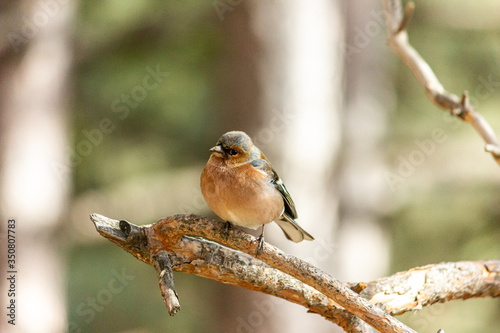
[
  {"x": 227, "y": 228},
  {"x": 260, "y": 245}
]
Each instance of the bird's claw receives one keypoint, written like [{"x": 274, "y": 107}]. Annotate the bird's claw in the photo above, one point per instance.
[
  {"x": 227, "y": 228},
  {"x": 260, "y": 245}
]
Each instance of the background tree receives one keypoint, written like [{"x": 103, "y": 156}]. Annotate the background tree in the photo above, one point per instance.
[{"x": 35, "y": 59}]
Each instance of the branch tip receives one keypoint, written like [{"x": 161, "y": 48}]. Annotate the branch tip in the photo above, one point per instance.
[
  {"x": 492, "y": 149},
  {"x": 465, "y": 100},
  {"x": 170, "y": 297},
  {"x": 163, "y": 265},
  {"x": 409, "y": 9},
  {"x": 359, "y": 287},
  {"x": 457, "y": 106}
]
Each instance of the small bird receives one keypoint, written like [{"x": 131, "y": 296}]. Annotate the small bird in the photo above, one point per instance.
[{"x": 241, "y": 186}]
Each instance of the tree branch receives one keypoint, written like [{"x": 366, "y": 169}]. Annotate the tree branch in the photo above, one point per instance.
[
  {"x": 212, "y": 260},
  {"x": 427, "y": 285},
  {"x": 163, "y": 266},
  {"x": 179, "y": 243},
  {"x": 397, "y": 23}
]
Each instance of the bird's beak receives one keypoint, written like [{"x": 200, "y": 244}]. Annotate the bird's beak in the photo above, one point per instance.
[{"x": 217, "y": 150}]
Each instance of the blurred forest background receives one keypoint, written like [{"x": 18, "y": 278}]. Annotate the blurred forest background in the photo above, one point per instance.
[{"x": 110, "y": 107}]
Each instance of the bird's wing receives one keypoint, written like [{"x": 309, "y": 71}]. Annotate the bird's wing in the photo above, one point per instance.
[
  {"x": 293, "y": 231},
  {"x": 266, "y": 167}
]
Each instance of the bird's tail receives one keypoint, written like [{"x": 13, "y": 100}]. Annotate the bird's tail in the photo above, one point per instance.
[{"x": 292, "y": 230}]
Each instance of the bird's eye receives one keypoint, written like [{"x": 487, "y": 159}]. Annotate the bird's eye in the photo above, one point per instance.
[{"x": 233, "y": 152}]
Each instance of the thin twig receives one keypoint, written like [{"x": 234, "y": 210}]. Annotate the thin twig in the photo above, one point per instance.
[
  {"x": 397, "y": 24},
  {"x": 409, "y": 8},
  {"x": 163, "y": 265}
]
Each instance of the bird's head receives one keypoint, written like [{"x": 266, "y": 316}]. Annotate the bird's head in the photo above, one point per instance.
[{"x": 233, "y": 147}]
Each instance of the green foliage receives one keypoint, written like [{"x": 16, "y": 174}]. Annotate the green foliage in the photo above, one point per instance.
[{"x": 118, "y": 46}]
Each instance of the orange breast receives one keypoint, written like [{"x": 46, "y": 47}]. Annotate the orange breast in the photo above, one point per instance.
[{"x": 241, "y": 195}]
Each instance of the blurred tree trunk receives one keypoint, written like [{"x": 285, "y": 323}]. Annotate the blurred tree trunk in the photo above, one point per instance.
[
  {"x": 34, "y": 63},
  {"x": 363, "y": 244},
  {"x": 300, "y": 77},
  {"x": 238, "y": 308}
]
